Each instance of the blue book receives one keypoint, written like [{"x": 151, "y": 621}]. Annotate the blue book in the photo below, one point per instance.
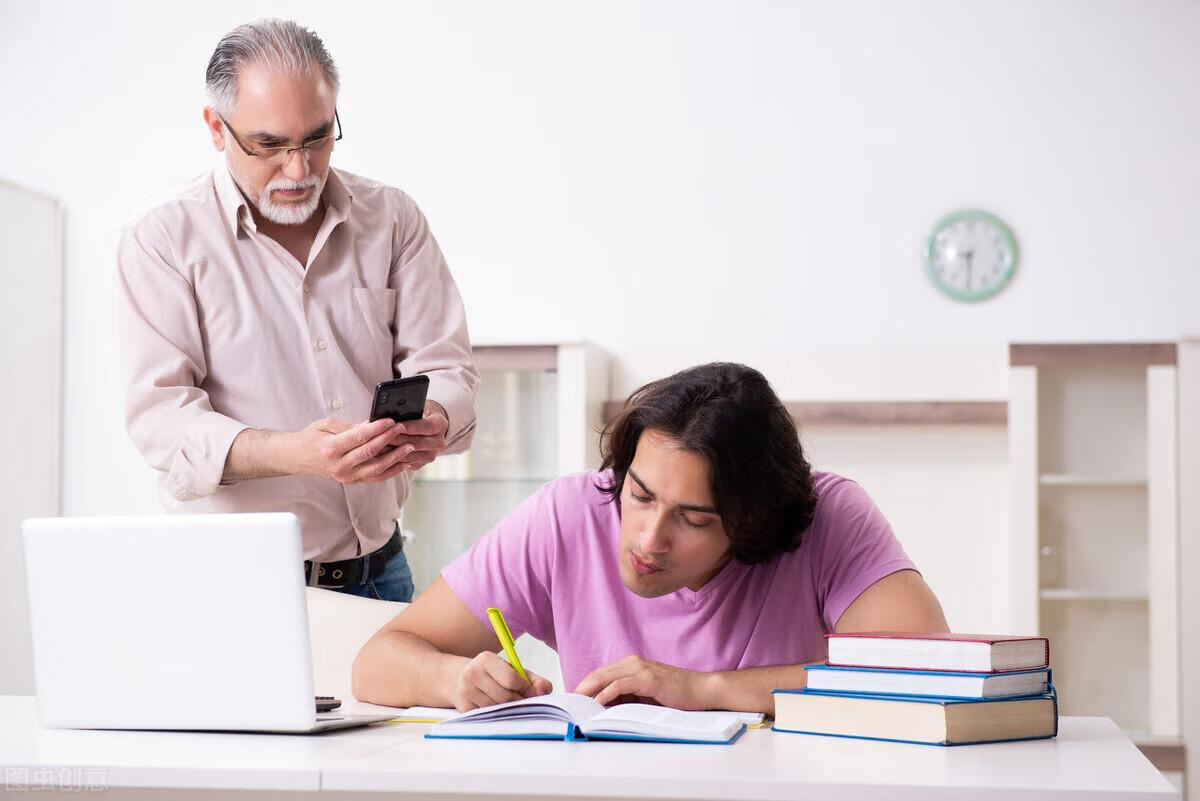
[
  {"x": 568, "y": 716},
  {"x": 913, "y": 719},
  {"x": 932, "y": 683}
]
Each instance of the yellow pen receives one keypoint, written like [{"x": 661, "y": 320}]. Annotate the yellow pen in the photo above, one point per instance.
[{"x": 506, "y": 640}]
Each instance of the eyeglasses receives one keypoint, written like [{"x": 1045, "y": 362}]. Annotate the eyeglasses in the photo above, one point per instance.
[{"x": 281, "y": 153}]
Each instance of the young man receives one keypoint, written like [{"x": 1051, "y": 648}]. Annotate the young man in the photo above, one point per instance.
[
  {"x": 699, "y": 569},
  {"x": 260, "y": 306}
]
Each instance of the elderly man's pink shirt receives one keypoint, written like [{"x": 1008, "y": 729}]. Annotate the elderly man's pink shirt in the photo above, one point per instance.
[{"x": 223, "y": 330}]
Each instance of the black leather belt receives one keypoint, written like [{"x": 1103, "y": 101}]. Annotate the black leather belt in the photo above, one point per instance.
[{"x": 350, "y": 572}]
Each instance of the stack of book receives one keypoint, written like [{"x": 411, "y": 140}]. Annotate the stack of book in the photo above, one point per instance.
[{"x": 940, "y": 689}]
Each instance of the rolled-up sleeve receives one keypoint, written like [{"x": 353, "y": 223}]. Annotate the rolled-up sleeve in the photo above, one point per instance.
[
  {"x": 431, "y": 326},
  {"x": 169, "y": 417}
]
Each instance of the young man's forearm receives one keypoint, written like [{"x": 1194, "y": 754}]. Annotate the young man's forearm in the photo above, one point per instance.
[
  {"x": 399, "y": 669},
  {"x": 749, "y": 689}
]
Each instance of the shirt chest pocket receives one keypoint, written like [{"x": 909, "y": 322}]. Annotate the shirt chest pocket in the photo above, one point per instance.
[
  {"x": 377, "y": 306},
  {"x": 375, "y": 325}
]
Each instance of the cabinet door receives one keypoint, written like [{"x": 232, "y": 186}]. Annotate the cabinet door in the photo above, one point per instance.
[
  {"x": 538, "y": 417},
  {"x": 459, "y": 498},
  {"x": 31, "y": 324}
]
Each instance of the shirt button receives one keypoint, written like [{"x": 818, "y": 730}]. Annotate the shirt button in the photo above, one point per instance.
[
  {"x": 355, "y": 522},
  {"x": 307, "y": 288},
  {"x": 322, "y": 344},
  {"x": 337, "y": 403}
]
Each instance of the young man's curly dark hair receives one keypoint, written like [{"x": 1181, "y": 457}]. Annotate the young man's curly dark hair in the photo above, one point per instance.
[{"x": 728, "y": 414}]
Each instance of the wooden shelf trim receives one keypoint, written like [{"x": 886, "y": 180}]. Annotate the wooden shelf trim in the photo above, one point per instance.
[
  {"x": 516, "y": 357},
  {"x": 989, "y": 413},
  {"x": 1164, "y": 755},
  {"x": 1080, "y": 480},
  {"x": 1064, "y": 594},
  {"x": 1117, "y": 354}
]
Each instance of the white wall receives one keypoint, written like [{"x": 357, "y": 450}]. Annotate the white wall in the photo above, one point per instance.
[{"x": 720, "y": 176}]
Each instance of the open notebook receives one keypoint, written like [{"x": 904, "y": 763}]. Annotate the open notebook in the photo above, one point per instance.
[{"x": 567, "y": 716}]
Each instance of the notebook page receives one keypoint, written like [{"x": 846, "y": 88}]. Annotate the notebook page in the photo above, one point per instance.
[
  {"x": 749, "y": 718},
  {"x": 564, "y": 706},
  {"x": 657, "y": 718}
]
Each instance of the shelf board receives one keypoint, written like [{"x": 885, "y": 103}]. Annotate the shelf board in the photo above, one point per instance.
[
  {"x": 1079, "y": 480},
  {"x": 516, "y": 357},
  {"x": 1063, "y": 594},
  {"x": 1100, "y": 354},
  {"x": 987, "y": 413},
  {"x": 1164, "y": 753}
]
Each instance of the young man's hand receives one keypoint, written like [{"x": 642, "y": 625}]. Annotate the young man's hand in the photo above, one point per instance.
[
  {"x": 636, "y": 679},
  {"x": 487, "y": 679}
]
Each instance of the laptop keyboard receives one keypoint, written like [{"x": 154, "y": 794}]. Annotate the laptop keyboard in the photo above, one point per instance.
[{"x": 327, "y": 703}]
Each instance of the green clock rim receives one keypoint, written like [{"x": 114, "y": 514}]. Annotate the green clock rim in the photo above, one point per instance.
[{"x": 979, "y": 294}]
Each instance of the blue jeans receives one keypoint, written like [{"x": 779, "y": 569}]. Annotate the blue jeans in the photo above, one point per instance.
[{"x": 395, "y": 583}]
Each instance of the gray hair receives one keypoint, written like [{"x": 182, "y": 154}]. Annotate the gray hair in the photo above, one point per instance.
[{"x": 278, "y": 43}]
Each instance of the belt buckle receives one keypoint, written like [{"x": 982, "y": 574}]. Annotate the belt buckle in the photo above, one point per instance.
[
  {"x": 364, "y": 568},
  {"x": 384, "y": 554}
]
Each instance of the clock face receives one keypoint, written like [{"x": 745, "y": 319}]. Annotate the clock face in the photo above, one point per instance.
[{"x": 970, "y": 255}]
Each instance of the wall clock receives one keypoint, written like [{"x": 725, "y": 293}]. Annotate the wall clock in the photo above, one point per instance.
[{"x": 970, "y": 255}]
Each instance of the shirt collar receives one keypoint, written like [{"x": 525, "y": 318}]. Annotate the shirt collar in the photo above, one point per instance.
[
  {"x": 233, "y": 204},
  {"x": 337, "y": 198},
  {"x": 237, "y": 209}
]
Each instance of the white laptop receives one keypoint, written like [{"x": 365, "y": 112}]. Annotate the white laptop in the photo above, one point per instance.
[{"x": 173, "y": 622}]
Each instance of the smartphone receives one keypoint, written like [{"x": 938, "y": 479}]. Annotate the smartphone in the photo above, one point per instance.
[{"x": 401, "y": 399}]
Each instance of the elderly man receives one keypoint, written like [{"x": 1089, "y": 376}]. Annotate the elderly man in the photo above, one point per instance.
[{"x": 263, "y": 302}]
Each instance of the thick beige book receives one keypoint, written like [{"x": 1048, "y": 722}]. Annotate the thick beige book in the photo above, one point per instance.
[{"x": 934, "y": 721}]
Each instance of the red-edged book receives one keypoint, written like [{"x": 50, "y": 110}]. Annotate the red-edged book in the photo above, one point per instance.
[{"x": 973, "y": 653}]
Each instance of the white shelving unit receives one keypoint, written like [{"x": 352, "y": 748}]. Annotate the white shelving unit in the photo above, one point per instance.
[
  {"x": 538, "y": 416},
  {"x": 1189, "y": 559},
  {"x": 1093, "y": 434}
]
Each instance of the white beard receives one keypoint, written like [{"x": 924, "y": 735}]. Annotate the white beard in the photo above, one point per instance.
[
  {"x": 283, "y": 214},
  {"x": 290, "y": 213}
]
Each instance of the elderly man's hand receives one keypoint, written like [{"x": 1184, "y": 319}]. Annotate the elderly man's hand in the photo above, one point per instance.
[
  {"x": 343, "y": 451},
  {"x": 425, "y": 439},
  {"x": 366, "y": 453}
]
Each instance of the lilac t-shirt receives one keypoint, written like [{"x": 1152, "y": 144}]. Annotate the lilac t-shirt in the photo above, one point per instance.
[{"x": 552, "y": 567}]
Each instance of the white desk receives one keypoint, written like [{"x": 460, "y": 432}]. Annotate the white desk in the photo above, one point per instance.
[{"x": 1090, "y": 758}]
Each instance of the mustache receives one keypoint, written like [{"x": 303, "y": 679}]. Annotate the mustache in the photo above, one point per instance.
[
  {"x": 286, "y": 185},
  {"x": 656, "y": 564}
]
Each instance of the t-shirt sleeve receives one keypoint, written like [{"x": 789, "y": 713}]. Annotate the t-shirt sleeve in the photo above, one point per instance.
[
  {"x": 511, "y": 567},
  {"x": 855, "y": 548}
]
